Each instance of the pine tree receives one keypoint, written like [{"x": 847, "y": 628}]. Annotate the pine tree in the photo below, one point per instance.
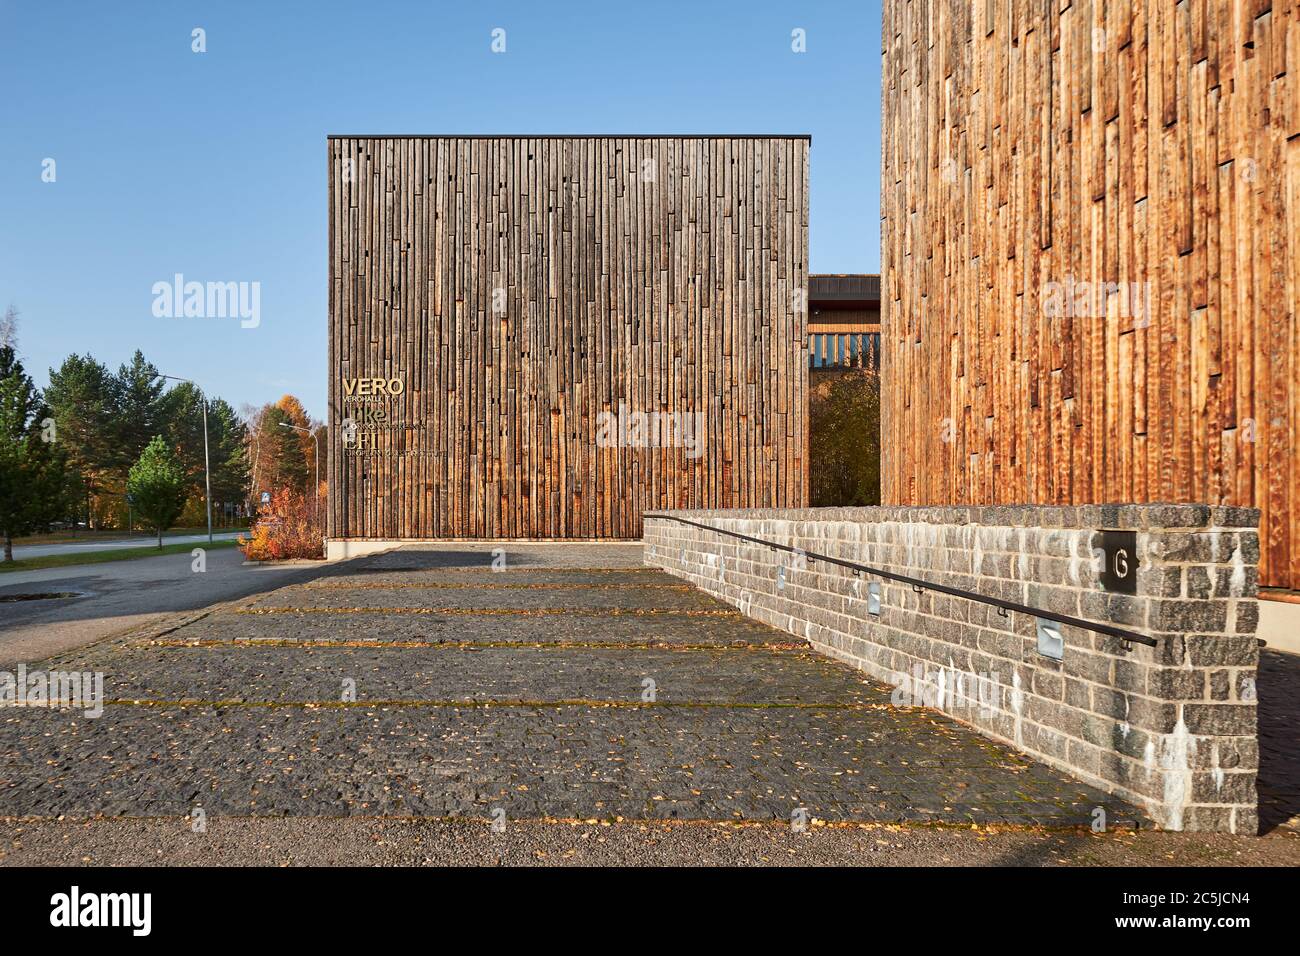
[
  {"x": 82, "y": 403},
  {"x": 181, "y": 410},
  {"x": 33, "y": 467},
  {"x": 138, "y": 413},
  {"x": 228, "y": 437}
]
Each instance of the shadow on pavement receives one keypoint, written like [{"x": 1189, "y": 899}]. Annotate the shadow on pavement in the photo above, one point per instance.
[
  {"x": 1279, "y": 738},
  {"x": 427, "y": 559}
]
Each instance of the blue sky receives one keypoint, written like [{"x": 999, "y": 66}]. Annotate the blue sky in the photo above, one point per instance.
[{"x": 213, "y": 164}]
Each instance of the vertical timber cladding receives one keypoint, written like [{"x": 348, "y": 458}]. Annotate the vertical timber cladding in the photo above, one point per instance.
[
  {"x": 1033, "y": 151},
  {"x": 500, "y": 306}
]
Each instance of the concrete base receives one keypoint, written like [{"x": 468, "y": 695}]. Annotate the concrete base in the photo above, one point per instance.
[
  {"x": 1279, "y": 625},
  {"x": 342, "y": 550}
]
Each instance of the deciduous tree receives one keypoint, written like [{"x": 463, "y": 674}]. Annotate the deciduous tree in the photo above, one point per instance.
[
  {"x": 157, "y": 485},
  {"x": 844, "y": 440},
  {"x": 298, "y": 416},
  {"x": 281, "y": 461}
]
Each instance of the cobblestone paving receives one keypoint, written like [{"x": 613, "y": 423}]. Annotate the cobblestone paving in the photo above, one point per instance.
[
  {"x": 478, "y": 673},
  {"x": 531, "y": 693},
  {"x": 572, "y": 627},
  {"x": 493, "y": 598},
  {"x": 349, "y": 576}
]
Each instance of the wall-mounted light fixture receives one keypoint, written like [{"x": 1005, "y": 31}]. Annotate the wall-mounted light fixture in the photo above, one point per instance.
[{"x": 1050, "y": 642}]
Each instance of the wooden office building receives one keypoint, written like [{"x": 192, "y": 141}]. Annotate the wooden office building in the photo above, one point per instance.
[
  {"x": 544, "y": 337},
  {"x": 844, "y": 321}
]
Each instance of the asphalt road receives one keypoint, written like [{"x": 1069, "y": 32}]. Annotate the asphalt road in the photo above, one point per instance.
[
  {"x": 24, "y": 551},
  {"x": 120, "y": 595}
]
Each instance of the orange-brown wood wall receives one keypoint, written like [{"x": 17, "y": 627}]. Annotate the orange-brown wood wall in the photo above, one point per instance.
[{"x": 1030, "y": 147}]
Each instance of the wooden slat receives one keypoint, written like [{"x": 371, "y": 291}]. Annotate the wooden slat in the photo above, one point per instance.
[{"x": 1094, "y": 142}]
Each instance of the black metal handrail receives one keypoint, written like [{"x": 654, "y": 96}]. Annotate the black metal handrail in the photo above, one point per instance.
[{"x": 920, "y": 585}]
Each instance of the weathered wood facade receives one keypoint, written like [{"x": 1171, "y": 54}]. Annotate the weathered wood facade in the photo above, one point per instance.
[
  {"x": 1033, "y": 147},
  {"x": 514, "y": 295}
]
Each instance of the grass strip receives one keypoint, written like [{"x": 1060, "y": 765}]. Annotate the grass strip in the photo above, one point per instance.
[{"x": 111, "y": 554}]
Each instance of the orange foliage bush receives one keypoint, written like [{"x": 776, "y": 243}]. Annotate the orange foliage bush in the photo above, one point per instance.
[{"x": 285, "y": 528}]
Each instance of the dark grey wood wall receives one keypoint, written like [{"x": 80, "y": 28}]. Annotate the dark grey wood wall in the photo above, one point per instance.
[{"x": 518, "y": 287}]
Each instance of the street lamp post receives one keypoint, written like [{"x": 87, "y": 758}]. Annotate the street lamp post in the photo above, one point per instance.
[
  {"x": 315, "y": 497},
  {"x": 207, "y": 469}
]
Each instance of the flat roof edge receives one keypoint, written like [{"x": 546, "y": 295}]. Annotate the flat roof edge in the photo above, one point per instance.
[{"x": 805, "y": 136}]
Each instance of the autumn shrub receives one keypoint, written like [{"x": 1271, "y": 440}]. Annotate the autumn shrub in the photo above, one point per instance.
[{"x": 285, "y": 528}]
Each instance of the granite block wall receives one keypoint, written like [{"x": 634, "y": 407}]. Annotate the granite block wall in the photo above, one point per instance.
[{"x": 1170, "y": 728}]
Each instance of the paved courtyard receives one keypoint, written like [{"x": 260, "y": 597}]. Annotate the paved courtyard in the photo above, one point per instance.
[
  {"x": 574, "y": 684},
  {"x": 422, "y": 686}
]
